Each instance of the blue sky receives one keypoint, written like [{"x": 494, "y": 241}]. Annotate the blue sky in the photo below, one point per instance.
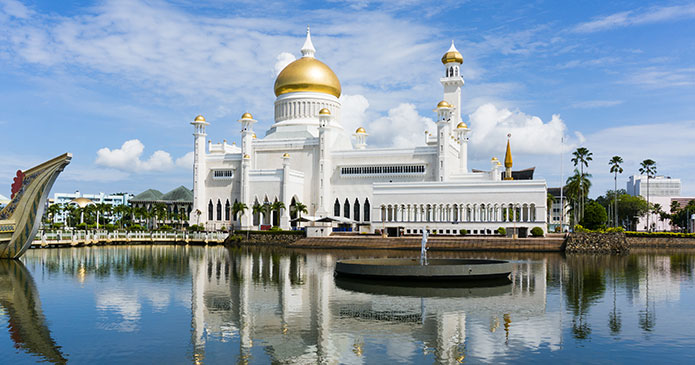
[{"x": 117, "y": 82}]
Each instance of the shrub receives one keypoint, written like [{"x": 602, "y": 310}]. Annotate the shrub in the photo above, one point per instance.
[
  {"x": 594, "y": 216},
  {"x": 502, "y": 231},
  {"x": 136, "y": 227},
  {"x": 92, "y": 226},
  {"x": 463, "y": 232},
  {"x": 615, "y": 230},
  {"x": 579, "y": 228},
  {"x": 81, "y": 226},
  {"x": 236, "y": 238},
  {"x": 275, "y": 229},
  {"x": 165, "y": 227},
  {"x": 195, "y": 228},
  {"x": 659, "y": 234},
  {"x": 537, "y": 232},
  {"x": 109, "y": 227}
]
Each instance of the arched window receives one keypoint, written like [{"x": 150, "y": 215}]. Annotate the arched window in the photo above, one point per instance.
[
  {"x": 210, "y": 210},
  {"x": 219, "y": 210},
  {"x": 366, "y": 210},
  {"x": 336, "y": 208},
  {"x": 227, "y": 210},
  {"x": 346, "y": 209},
  {"x": 356, "y": 215}
]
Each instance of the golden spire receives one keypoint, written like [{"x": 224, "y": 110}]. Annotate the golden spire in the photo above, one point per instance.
[{"x": 508, "y": 155}]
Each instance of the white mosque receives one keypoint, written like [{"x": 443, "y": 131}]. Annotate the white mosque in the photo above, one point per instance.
[{"x": 307, "y": 157}]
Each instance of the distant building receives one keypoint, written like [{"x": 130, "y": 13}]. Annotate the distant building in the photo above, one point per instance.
[
  {"x": 4, "y": 200},
  {"x": 111, "y": 199},
  {"x": 662, "y": 190},
  {"x": 177, "y": 200},
  {"x": 555, "y": 216}
]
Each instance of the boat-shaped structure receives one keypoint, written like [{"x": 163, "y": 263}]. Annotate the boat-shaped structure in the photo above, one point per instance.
[
  {"x": 434, "y": 269},
  {"x": 20, "y": 219}
]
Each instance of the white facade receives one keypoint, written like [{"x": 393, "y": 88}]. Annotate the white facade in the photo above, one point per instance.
[
  {"x": 306, "y": 156},
  {"x": 662, "y": 189}
]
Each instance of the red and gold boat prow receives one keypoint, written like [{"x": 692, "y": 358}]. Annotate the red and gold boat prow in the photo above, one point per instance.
[{"x": 20, "y": 219}]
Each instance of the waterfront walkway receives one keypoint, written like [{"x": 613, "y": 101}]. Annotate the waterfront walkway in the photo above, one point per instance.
[{"x": 87, "y": 238}]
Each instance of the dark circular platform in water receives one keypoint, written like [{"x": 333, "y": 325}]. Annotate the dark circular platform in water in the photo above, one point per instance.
[{"x": 436, "y": 269}]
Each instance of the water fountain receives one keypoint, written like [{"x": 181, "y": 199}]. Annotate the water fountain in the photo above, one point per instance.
[{"x": 424, "y": 268}]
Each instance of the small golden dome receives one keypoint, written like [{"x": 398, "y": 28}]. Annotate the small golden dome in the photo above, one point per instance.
[
  {"x": 247, "y": 156},
  {"x": 360, "y": 130},
  {"x": 462, "y": 125},
  {"x": 199, "y": 118},
  {"x": 324, "y": 111},
  {"x": 307, "y": 74},
  {"x": 286, "y": 155},
  {"x": 254, "y": 136},
  {"x": 494, "y": 159},
  {"x": 443, "y": 104},
  {"x": 452, "y": 55},
  {"x": 246, "y": 116}
]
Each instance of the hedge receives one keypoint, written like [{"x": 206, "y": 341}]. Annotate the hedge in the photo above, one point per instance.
[{"x": 659, "y": 234}]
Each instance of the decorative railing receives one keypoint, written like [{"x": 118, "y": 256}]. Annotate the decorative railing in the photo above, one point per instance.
[{"x": 73, "y": 238}]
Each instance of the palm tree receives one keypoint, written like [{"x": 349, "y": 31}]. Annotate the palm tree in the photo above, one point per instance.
[
  {"x": 160, "y": 213},
  {"x": 68, "y": 212},
  {"x": 53, "y": 210},
  {"x": 616, "y": 169},
  {"x": 238, "y": 209},
  {"x": 298, "y": 208},
  {"x": 582, "y": 156},
  {"x": 577, "y": 186},
  {"x": 258, "y": 209},
  {"x": 121, "y": 211},
  {"x": 277, "y": 207},
  {"x": 648, "y": 167}
]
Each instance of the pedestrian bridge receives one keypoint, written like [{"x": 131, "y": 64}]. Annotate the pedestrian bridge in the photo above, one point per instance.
[{"x": 102, "y": 237}]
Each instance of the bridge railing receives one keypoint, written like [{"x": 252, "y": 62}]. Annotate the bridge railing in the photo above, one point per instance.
[{"x": 102, "y": 236}]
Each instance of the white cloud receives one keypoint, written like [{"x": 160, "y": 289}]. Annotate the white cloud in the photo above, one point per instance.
[
  {"x": 283, "y": 59},
  {"x": 402, "y": 127},
  {"x": 353, "y": 111},
  {"x": 629, "y": 18},
  {"x": 15, "y": 9},
  {"x": 185, "y": 161},
  {"x": 655, "y": 77},
  {"x": 530, "y": 135},
  {"x": 127, "y": 158}
]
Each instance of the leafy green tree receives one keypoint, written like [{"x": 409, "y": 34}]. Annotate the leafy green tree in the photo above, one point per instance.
[
  {"x": 630, "y": 208},
  {"x": 298, "y": 208},
  {"x": 594, "y": 216},
  {"x": 680, "y": 217},
  {"x": 52, "y": 211},
  {"x": 616, "y": 169},
  {"x": 159, "y": 213},
  {"x": 277, "y": 207},
  {"x": 582, "y": 156},
  {"x": 648, "y": 167},
  {"x": 549, "y": 200}
]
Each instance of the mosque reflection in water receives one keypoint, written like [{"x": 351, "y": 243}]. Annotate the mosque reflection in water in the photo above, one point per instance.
[
  {"x": 299, "y": 313},
  {"x": 286, "y": 306}
]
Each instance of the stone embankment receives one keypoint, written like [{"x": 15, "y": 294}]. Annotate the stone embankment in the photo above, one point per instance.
[
  {"x": 602, "y": 243},
  {"x": 263, "y": 238},
  {"x": 661, "y": 242},
  {"x": 452, "y": 243}
]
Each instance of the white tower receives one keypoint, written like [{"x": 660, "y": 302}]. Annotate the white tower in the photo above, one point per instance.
[
  {"x": 452, "y": 81},
  {"x": 247, "y": 162},
  {"x": 462, "y": 134},
  {"x": 198, "y": 213},
  {"x": 444, "y": 114},
  {"x": 324, "y": 175}
]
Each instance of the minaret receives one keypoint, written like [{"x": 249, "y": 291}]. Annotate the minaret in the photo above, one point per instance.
[
  {"x": 452, "y": 81},
  {"x": 508, "y": 161},
  {"x": 324, "y": 175},
  {"x": 444, "y": 111},
  {"x": 285, "y": 214},
  {"x": 247, "y": 137},
  {"x": 199, "y": 170},
  {"x": 462, "y": 134}
]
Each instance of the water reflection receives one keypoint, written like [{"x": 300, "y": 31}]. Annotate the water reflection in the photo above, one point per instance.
[
  {"x": 26, "y": 324},
  {"x": 274, "y": 305}
]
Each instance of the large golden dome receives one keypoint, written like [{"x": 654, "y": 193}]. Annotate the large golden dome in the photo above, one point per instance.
[{"x": 307, "y": 74}]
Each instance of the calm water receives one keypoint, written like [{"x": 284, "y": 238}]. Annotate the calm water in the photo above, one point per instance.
[{"x": 178, "y": 304}]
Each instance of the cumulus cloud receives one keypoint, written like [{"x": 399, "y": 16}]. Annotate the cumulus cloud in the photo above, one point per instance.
[
  {"x": 530, "y": 135},
  {"x": 402, "y": 127},
  {"x": 353, "y": 111},
  {"x": 282, "y": 60},
  {"x": 185, "y": 161},
  {"x": 128, "y": 158}
]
